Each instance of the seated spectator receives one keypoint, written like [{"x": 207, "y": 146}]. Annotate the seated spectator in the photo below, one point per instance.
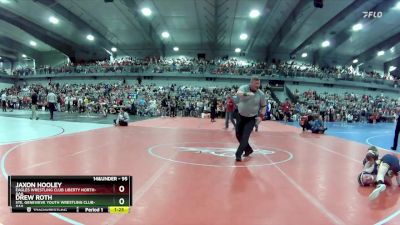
[
  {"x": 349, "y": 118},
  {"x": 306, "y": 120},
  {"x": 122, "y": 119},
  {"x": 373, "y": 118},
  {"x": 286, "y": 109},
  {"x": 317, "y": 126}
]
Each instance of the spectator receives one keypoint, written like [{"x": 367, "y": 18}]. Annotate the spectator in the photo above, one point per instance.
[
  {"x": 229, "y": 109},
  {"x": 34, "y": 99},
  {"x": 317, "y": 126},
  {"x": 4, "y": 101},
  {"x": 122, "y": 119}
]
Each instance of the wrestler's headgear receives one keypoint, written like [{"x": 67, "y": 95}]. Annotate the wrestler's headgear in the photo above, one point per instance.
[{"x": 365, "y": 179}]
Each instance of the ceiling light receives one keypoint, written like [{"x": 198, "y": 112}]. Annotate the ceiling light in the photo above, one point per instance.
[
  {"x": 254, "y": 13},
  {"x": 392, "y": 49},
  {"x": 113, "y": 49},
  {"x": 23, "y": 56},
  {"x": 5, "y": 1},
  {"x": 325, "y": 44},
  {"x": 355, "y": 61},
  {"x": 176, "y": 49},
  {"x": 357, "y": 27},
  {"x": 32, "y": 43},
  {"x": 90, "y": 37},
  {"x": 165, "y": 34},
  {"x": 237, "y": 50},
  {"x": 391, "y": 68},
  {"x": 53, "y": 20},
  {"x": 381, "y": 53},
  {"x": 243, "y": 36},
  {"x": 397, "y": 6},
  {"x": 146, "y": 11},
  {"x": 304, "y": 55}
]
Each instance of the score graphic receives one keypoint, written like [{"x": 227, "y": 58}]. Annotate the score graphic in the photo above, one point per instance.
[{"x": 77, "y": 194}]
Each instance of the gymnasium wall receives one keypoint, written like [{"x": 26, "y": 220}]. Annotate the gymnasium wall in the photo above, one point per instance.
[
  {"x": 303, "y": 84},
  {"x": 162, "y": 81},
  {"x": 191, "y": 51},
  {"x": 53, "y": 58},
  {"x": 5, "y": 85}
]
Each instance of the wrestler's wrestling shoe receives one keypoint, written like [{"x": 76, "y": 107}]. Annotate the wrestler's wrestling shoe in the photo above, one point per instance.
[{"x": 376, "y": 192}]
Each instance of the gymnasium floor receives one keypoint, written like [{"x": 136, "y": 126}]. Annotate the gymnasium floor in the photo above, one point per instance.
[{"x": 185, "y": 174}]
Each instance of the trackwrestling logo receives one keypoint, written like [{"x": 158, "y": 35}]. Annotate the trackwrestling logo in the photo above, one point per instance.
[{"x": 220, "y": 152}]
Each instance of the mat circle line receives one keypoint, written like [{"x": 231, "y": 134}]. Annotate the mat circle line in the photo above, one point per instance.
[{"x": 152, "y": 148}]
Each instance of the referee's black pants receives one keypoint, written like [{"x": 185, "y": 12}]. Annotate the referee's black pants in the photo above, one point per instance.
[
  {"x": 52, "y": 108},
  {"x": 396, "y": 133},
  {"x": 244, "y": 127}
]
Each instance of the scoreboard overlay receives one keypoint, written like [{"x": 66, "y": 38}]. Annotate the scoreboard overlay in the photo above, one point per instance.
[{"x": 70, "y": 194}]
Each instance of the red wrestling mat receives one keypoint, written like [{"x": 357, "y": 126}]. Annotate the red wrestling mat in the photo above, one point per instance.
[{"x": 184, "y": 173}]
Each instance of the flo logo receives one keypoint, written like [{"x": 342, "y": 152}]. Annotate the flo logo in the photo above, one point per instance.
[
  {"x": 220, "y": 152},
  {"x": 373, "y": 14}
]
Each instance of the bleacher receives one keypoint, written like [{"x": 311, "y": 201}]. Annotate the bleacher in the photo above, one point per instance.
[
  {"x": 339, "y": 90},
  {"x": 281, "y": 95}
]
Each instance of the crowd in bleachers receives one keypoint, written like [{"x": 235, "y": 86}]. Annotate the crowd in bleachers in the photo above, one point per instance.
[
  {"x": 141, "y": 100},
  {"x": 218, "y": 66},
  {"x": 347, "y": 107},
  {"x": 153, "y": 100},
  {"x": 25, "y": 71}
]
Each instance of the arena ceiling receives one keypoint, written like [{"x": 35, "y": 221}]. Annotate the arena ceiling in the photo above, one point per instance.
[{"x": 289, "y": 27}]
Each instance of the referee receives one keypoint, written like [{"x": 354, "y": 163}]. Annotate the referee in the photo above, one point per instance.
[
  {"x": 251, "y": 105},
  {"x": 396, "y": 132},
  {"x": 52, "y": 101}
]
